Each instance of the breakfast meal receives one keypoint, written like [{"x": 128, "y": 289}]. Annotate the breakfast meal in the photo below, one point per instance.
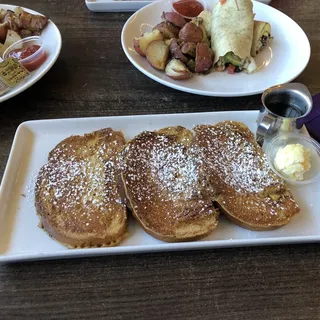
[
  {"x": 19, "y": 24},
  {"x": 22, "y": 50},
  {"x": 293, "y": 161},
  {"x": 161, "y": 178},
  {"x": 261, "y": 36},
  {"x": 231, "y": 36},
  {"x": 227, "y": 38},
  {"x": 78, "y": 196},
  {"x": 174, "y": 181},
  {"x": 247, "y": 190}
]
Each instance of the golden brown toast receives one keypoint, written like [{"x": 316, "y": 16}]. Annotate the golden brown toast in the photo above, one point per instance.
[
  {"x": 160, "y": 175},
  {"x": 235, "y": 167},
  {"x": 78, "y": 196}
]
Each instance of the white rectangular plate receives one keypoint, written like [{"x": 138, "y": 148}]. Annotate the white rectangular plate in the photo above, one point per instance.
[
  {"x": 21, "y": 239},
  {"x": 116, "y": 5},
  {"x": 122, "y": 5}
]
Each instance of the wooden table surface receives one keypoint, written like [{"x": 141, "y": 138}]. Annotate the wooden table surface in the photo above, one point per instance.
[{"x": 92, "y": 77}]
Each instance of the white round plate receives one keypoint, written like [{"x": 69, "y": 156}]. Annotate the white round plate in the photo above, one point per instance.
[
  {"x": 283, "y": 61},
  {"x": 52, "y": 40}
]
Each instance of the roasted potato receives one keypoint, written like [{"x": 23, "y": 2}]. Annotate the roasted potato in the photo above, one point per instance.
[
  {"x": 167, "y": 30},
  {"x": 176, "y": 51},
  {"x": 175, "y": 18},
  {"x": 199, "y": 22},
  {"x": 177, "y": 70},
  {"x": 189, "y": 48},
  {"x": 157, "y": 54},
  {"x": 204, "y": 58},
  {"x": 191, "y": 33},
  {"x": 140, "y": 44},
  {"x": 11, "y": 38}
]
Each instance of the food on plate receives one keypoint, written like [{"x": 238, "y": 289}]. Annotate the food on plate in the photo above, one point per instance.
[
  {"x": 157, "y": 54},
  {"x": 174, "y": 180},
  {"x": 175, "y": 39},
  {"x": 176, "y": 51},
  {"x": 236, "y": 172},
  {"x": 78, "y": 196},
  {"x": 11, "y": 38},
  {"x": 23, "y": 22},
  {"x": 233, "y": 38},
  {"x": 160, "y": 175},
  {"x": 174, "y": 18},
  {"x": 168, "y": 30},
  {"x": 189, "y": 48},
  {"x": 261, "y": 36},
  {"x": 177, "y": 70},
  {"x": 293, "y": 161},
  {"x": 188, "y": 8},
  {"x": 18, "y": 24},
  {"x": 140, "y": 44},
  {"x": 232, "y": 34},
  {"x": 204, "y": 57},
  {"x": 206, "y": 17},
  {"x": 191, "y": 32}
]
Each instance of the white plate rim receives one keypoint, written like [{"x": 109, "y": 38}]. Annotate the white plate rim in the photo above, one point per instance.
[
  {"x": 197, "y": 91},
  {"x": 13, "y": 92},
  {"x": 133, "y": 249}
]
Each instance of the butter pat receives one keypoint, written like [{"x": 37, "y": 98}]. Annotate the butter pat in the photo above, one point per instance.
[{"x": 293, "y": 161}]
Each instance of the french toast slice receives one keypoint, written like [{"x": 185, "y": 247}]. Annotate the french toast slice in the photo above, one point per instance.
[
  {"x": 235, "y": 167},
  {"x": 160, "y": 175},
  {"x": 77, "y": 194}
]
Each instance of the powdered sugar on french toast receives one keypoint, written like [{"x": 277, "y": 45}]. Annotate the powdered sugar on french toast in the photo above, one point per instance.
[
  {"x": 174, "y": 168},
  {"x": 73, "y": 182},
  {"x": 168, "y": 164},
  {"x": 240, "y": 163}
]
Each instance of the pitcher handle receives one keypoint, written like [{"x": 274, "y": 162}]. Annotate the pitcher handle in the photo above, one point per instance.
[{"x": 264, "y": 127}]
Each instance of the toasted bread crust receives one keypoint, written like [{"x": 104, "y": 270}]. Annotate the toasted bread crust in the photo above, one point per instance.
[
  {"x": 77, "y": 193},
  {"x": 160, "y": 175},
  {"x": 247, "y": 190}
]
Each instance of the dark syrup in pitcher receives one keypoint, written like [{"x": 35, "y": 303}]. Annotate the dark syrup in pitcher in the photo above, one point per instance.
[{"x": 285, "y": 110}]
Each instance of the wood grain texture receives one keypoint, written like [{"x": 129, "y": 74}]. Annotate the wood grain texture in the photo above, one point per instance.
[{"x": 92, "y": 77}]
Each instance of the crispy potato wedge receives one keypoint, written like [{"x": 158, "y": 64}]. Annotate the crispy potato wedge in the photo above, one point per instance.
[
  {"x": 140, "y": 44},
  {"x": 157, "y": 54},
  {"x": 177, "y": 70}
]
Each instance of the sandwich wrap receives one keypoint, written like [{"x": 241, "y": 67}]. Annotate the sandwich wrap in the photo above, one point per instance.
[
  {"x": 261, "y": 36},
  {"x": 232, "y": 34}
]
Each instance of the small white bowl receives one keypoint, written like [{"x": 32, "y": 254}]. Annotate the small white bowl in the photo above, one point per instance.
[
  {"x": 281, "y": 141},
  {"x": 204, "y": 4}
]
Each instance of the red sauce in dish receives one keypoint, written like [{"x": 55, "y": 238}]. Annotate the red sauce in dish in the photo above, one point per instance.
[
  {"x": 188, "y": 8},
  {"x": 23, "y": 53}
]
